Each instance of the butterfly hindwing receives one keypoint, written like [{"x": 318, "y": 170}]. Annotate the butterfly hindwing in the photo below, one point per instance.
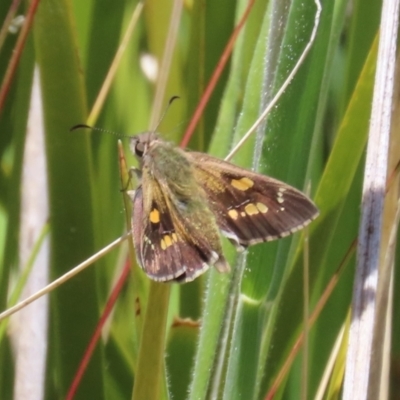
[{"x": 250, "y": 207}]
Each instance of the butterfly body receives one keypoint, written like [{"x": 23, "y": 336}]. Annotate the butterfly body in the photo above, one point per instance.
[{"x": 185, "y": 199}]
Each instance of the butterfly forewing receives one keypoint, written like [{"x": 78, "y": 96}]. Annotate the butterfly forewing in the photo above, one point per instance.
[
  {"x": 155, "y": 242},
  {"x": 250, "y": 207}
]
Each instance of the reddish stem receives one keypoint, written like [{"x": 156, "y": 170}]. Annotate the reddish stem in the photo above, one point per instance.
[
  {"x": 12, "y": 65},
  {"x": 93, "y": 342},
  {"x": 215, "y": 76}
]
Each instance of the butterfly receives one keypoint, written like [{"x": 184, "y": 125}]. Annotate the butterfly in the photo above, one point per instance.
[{"x": 185, "y": 200}]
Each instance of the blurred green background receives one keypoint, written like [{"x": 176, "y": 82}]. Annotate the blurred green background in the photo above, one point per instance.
[{"x": 225, "y": 336}]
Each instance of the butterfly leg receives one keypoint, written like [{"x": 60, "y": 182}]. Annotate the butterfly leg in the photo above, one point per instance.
[
  {"x": 136, "y": 171},
  {"x": 131, "y": 194},
  {"x": 132, "y": 171}
]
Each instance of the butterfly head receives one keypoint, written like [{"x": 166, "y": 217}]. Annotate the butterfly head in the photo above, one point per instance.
[{"x": 140, "y": 144}]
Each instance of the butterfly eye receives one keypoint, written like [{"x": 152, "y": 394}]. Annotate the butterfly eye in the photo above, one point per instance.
[{"x": 139, "y": 149}]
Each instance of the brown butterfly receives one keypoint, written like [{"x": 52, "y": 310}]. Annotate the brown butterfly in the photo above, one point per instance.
[{"x": 185, "y": 199}]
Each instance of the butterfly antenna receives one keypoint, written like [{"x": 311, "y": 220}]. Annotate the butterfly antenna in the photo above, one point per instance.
[
  {"x": 171, "y": 100},
  {"x": 95, "y": 128}
]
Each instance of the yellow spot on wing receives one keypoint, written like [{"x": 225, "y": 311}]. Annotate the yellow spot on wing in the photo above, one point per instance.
[
  {"x": 155, "y": 216},
  {"x": 168, "y": 240},
  {"x": 251, "y": 209},
  {"x": 174, "y": 237},
  {"x": 262, "y": 207},
  {"x": 233, "y": 214},
  {"x": 242, "y": 184}
]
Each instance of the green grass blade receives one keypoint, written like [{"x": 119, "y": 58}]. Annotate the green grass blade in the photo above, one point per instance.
[
  {"x": 349, "y": 146},
  {"x": 74, "y": 307}
]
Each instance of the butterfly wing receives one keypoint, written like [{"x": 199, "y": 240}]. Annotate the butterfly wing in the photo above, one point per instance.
[
  {"x": 170, "y": 246},
  {"x": 250, "y": 207}
]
